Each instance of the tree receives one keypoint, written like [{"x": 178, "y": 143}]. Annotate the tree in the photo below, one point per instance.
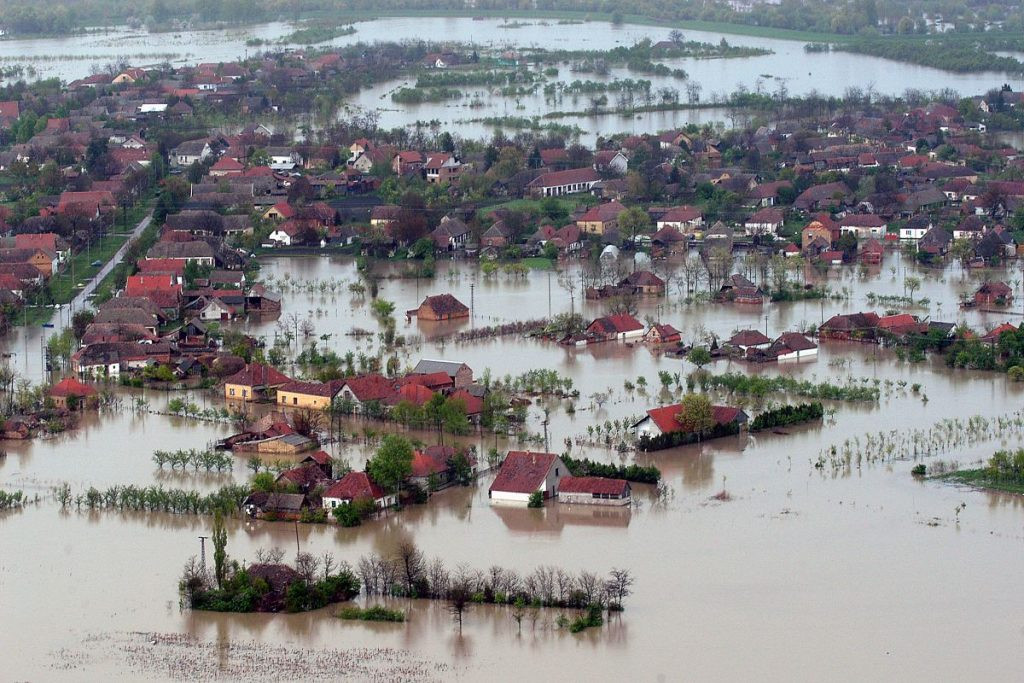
[
  {"x": 632, "y": 222},
  {"x": 536, "y": 500},
  {"x": 696, "y": 415},
  {"x": 619, "y": 585},
  {"x": 219, "y": 536},
  {"x": 460, "y": 593},
  {"x": 911, "y": 284},
  {"x": 699, "y": 356},
  {"x": 392, "y": 463},
  {"x": 80, "y": 321},
  {"x": 413, "y": 566}
]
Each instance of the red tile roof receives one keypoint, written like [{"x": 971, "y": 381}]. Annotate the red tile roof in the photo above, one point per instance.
[
  {"x": 618, "y": 323},
  {"x": 71, "y": 387},
  {"x": 665, "y": 417},
  {"x": 258, "y": 374},
  {"x": 680, "y": 214},
  {"x": 599, "y": 485},
  {"x": 474, "y": 405},
  {"x": 417, "y": 394},
  {"x": 353, "y": 486},
  {"x": 371, "y": 388},
  {"x": 523, "y": 471}
]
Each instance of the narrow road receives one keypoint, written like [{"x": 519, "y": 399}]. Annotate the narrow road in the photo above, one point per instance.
[
  {"x": 82, "y": 298},
  {"x": 25, "y": 344}
]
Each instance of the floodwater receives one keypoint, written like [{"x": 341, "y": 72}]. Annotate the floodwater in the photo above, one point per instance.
[
  {"x": 857, "y": 574},
  {"x": 788, "y": 67}
]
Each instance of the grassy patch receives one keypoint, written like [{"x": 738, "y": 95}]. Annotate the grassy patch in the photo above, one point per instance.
[
  {"x": 538, "y": 263},
  {"x": 982, "y": 479},
  {"x": 375, "y": 613}
]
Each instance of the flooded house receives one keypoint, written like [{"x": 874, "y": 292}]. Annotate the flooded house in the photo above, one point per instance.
[
  {"x": 617, "y": 327},
  {"x": 440, "y": 307},
  {"x": 594, "y": 491},
  {"x": 524, "y": 472},
  {"x": 255, "y": 382},
  {"x": 70, "y": 394},
  {"x": 355, "y": 486},
  {"x": 461, "y": 375}
]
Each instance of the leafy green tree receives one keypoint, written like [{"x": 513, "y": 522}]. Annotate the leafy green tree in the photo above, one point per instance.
[
  {"x": 392, "y": 462},
  {"x": 219, "y": 536},
  {"x": 699, "y": 356},
  {"x": 696, "y": 414}
]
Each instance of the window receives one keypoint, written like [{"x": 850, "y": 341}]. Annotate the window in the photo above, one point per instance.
[{"x": 231, "y": 392}]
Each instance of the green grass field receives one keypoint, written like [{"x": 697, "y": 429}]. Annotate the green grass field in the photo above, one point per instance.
[{"x": 980, "y": 478}]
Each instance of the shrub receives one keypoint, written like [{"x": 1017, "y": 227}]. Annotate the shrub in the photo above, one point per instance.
[
  {"x": 787, "y": 415},
  {"x": 536, "y": 500},
  {"x": 375, "y": 613},
  {"x": 919, "y": 470}
]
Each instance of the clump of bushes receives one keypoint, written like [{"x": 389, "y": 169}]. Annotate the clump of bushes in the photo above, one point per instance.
[{"x": 787, "y": 415}]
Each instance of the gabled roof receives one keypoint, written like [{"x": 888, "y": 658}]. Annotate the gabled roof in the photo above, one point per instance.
[
  {"x": 258, "y": 375},
  {"x": 444, "y": 304},
  {"x": 680, "y": 214},
  {"x": 523, "y": 472},
  {"x": 665, "y": 416},
  {"x": 353, "y": 486},
  {"x": 618, "y": 323},
  {"x": 370, "y": 388},
  {"x": 749, "y": 338},
  {"x": 72, "y": 387}
]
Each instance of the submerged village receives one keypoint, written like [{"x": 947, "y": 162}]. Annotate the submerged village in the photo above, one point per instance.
[{"x": 301, "y": 355}]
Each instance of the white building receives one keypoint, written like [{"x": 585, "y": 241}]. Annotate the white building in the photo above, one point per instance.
[{"x": 524, "y": 472}]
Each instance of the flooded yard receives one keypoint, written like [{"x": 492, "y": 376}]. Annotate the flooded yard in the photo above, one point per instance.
[{"x": 797, "y": 573}]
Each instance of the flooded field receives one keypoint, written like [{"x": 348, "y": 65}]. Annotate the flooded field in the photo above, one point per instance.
[
  {"x": 849, "y": 573},
  {"x": 827, "y": 73}
]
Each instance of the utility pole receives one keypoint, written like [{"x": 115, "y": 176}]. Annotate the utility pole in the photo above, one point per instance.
[
  {"x": 202, "y": 551},
  {"x": 297, "y": 550},
  {"x": 766, "y": 326},
  {"x": 472, "y": 303},
  {"x": 549, "y": 295}
]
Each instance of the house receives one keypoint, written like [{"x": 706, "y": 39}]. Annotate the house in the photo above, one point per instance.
[
  {"x": 740, "y": 290},
  {"x": 935, "y": 242},
  {"x": 254, "y": 382},
  {"x": 384, "y": 215},
  {"x": 863, "y": 225},
  {"x": 450, "y": 234},
  {"x": 280, "y": 212},
  {"x": 406, "y": 162},
  {"x": 659, "y": 421},
  {"x": 441, "y": 168},
  {"x": 277, "y": 505},
  {"x": 497, "y": 236},
  {"x": 620, "y": 326},
  {"x": 686, "y": 219},
  {"x": 226, "y": 166},
  {"x": 190, "y": 152},
  {"x": 749, "y": 339},
  {"x": 524, "y": 472},
  {"x": 559, "y": 183},
  {"x": 993, "y": 294},
  {"x": 367, "y": 394},
  {"x": 611, "y": 161},
  {"x": 317, "y": 395},
  {"x": 460, "y": 373},
  {"x": 850, "y": 326},
  {"x": 793, "y": 346},
  {"x": 819, "y": 230},
  {"x": 662, "y": 334},
  {"x": 766, "y": 221},
  {"x": 432, "y": 467},
  {"x": 355, "y": 486},
  {"x": 915, "y": 228},
  {"x": 826, "y": 196},
  {"x": 871, "y": 252},
  {"x": 439, "y": 307},
  {"x": 283, "y": 158},
  {"x": 644, "y": 282},
  {"x": 600, "y": 219},
  {"x": 901, "y": 324},
  {"x": 993, "y": 335},
  {"x": 306, "y": 477},
  {"x": 48, "y": 241},
  {"x": 69, "y": 394},
  {"x": 193, "y": 250},
  {"x": 594, "y": 491}
]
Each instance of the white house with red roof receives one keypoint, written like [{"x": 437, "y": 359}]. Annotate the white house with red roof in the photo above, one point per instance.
[
  {"x": 621, "y": 326},
  {"x": 354, "y": 486},
  {"x": 594, "y": 491},
  {"x": 663, "y": 420},
  {"x": 524, "y": 472}
]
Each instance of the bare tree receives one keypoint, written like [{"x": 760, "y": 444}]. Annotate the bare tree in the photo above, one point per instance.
[
  {"x": 412, "y": 566},
  {"x": 589, "y": 585},
  {"x": 272, "y": 556},
  {"x": 460, "y": 594},
  {"x": 619, "y": 586},
  {"x": 328, "y": 563},
  {"x": 438, "y": 577},
  {"x": 307, "y": 565}
]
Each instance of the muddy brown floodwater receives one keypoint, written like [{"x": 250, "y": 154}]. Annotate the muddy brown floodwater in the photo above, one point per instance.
[{"x": 863, "y": 573}]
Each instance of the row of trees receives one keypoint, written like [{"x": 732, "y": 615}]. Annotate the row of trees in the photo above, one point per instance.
[{"x": 787, "y": 415}]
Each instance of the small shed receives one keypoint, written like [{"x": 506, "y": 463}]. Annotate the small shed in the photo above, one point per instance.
[{"x": 594, "y": 491}]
